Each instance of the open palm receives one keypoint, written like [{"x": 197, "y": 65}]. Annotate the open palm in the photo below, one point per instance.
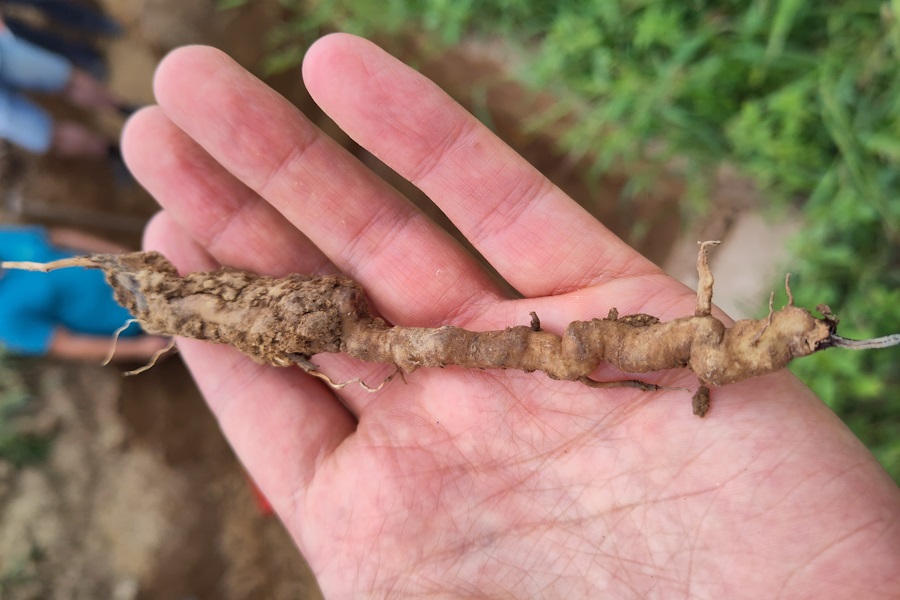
[{"x": 464, "y": 482}]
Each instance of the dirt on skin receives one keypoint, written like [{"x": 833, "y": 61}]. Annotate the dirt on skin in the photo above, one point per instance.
[{"x": 141, "y": 497}]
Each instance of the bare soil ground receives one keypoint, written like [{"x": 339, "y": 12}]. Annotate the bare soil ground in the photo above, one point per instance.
[{"x": 141, "y": 497}]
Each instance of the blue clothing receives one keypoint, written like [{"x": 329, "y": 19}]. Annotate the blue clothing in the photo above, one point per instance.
[
  {"x": 24, "y": 123},
  {"x": 33, "y": 305},
  {"x": 26, "y": 67},
  {"x": 80, "y": 53}
]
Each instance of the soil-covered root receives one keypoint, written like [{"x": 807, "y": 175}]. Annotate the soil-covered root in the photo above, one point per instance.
[{"x": 287, "y": 320}]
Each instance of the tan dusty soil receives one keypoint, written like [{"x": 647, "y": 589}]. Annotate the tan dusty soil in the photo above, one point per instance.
[{"x": 141, "y": 497}]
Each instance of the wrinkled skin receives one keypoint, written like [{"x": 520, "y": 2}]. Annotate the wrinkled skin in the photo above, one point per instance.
[{"x": 466, "y": 482}]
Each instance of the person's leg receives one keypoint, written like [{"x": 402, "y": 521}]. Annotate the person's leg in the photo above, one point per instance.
[
  {"x": 26, "y": 66},
  {"x": 29, "y": 67},
  {"x": 82, "y": 54},
  {"x": 75, "y": 15},
  {"x": 23, "y": 123},
  {"x": 29, "y": 126}
]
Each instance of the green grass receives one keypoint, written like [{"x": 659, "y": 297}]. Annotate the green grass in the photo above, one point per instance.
[{"x": 802, "y": 96}]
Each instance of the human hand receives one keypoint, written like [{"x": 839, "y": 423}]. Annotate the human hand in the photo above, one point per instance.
[{"x": 483, "y": 482}]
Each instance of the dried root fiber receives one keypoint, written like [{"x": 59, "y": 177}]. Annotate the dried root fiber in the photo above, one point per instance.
[{"x": 285, "y": 321}]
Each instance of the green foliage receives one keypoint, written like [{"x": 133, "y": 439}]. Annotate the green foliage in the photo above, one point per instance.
[
  {"x": 803, "y": 96},
  {"x": 848, "y": 260},
  {"x": 780, "y": 88}
]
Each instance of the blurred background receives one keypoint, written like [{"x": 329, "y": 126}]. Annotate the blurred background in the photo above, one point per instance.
[{"x": 773, "y": 126}]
